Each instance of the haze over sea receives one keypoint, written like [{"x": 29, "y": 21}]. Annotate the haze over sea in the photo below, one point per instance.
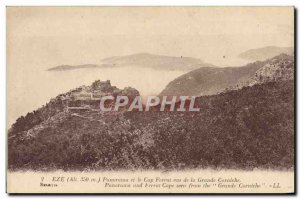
[{"x": 39, "y": 85}]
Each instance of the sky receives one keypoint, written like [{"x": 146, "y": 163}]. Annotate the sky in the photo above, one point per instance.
[{"x": 44, "y": 37}]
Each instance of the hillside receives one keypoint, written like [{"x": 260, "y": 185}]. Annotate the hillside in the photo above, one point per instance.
[
  {"x": 242, "y": 129},
  {"x": 142, "y": 60},
  {"x": 213, "y": 80},
  {"x": 85, "y": 97},
  {"x": 264, "y": 53}
]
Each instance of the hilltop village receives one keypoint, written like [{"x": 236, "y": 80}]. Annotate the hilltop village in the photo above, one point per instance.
[{"x": 88, "y": 97}]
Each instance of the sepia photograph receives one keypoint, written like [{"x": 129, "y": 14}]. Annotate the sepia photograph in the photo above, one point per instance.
[{"x": 161, "y": 99}]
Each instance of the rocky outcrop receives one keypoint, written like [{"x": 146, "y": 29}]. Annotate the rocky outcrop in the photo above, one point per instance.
[{"x": 280, "y": 68}]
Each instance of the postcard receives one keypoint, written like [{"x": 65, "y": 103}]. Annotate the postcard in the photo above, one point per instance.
[{"x": 169, "y": 100}]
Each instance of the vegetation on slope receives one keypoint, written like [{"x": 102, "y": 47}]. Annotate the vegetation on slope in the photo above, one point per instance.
[{"x": 242, "y": 129}]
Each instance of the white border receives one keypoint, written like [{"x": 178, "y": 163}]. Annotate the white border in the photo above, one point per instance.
[
  {"x": 148, "y": 3},
  {"x": 4, "y": 3}
]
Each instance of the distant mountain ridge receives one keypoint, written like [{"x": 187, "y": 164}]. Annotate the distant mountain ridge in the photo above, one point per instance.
[
  {"x": 143, "y": 60},
  {"x": 213, "y": 80},
  {"x": 70, "y": 67},
  {"x": 155, "y": 61},
  {"x": 264, "y": 53}
]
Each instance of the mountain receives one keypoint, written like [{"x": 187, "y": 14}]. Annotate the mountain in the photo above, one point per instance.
[
  {"x": 264, "y": 53},
  {"x": 249, "y": 128},
  {"x": 69, "y": 67},
  {"x": 143, "y": 60},
  {"x": 86, "y": 97},
  {"x": 159, "y": 62},
  {"x": 213, "y": 80}
]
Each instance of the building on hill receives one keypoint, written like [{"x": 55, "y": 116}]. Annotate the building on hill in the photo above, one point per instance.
[{"x": 103, "y": 86}]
